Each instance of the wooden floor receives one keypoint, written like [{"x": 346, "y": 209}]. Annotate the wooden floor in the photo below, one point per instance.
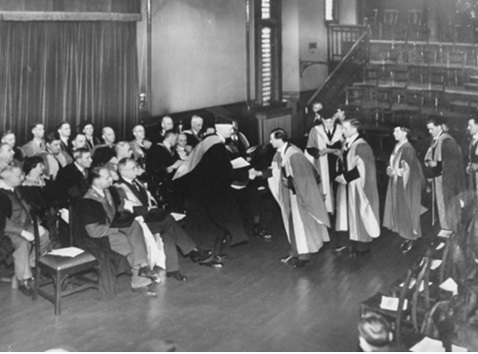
[{"x": 254, "y": 303}]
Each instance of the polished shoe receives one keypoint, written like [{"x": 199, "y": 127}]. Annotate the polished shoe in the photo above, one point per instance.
[
  {"x": 176, "y": 275},
  {"x": 406, "y": 246},
  {"x": 288, "y": 259},
  {"x": 198, "y": 255},
  {"x": 262, "y": 233},
  {"x": 301, "y": 263},
  {"x": 146, "y": 272},
  {"x": 26, "y": 287},
  {"x": 220, "y": 257},
  {"x": 212, "y": 263}
]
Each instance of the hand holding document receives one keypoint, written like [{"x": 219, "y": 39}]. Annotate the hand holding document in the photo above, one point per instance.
[
  {"x": 239, "y": 163},
  {"x": 449, "y": 285}
]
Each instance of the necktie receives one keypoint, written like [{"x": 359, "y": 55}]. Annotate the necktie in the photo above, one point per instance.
[{"x": 136, "y": 185}]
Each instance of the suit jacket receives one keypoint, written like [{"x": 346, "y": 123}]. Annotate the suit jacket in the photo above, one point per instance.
[
  {"x": 53, "y": 164},
  {"x": 71, "y": 183},
  {"x": 91, "y": 144},
  {"x": 158, "y": 158},
  {"x": 33, "y": 148},
  {"x": 102, "y": 154},
  {"x": 16, "y": 213}
]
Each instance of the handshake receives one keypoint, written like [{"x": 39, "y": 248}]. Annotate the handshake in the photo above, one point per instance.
[{"x": 254, "y": 173}]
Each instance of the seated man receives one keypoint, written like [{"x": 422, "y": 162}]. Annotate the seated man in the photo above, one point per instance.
[
  {"x": 19, "y": 227},
  {"x": 6, "y": 155},
  {"x": 162, "y": 161},
  {"x": 135, "y": 196},
  {"x": 54, "y": 158},
  {"x": 126, "y": 239},
  {"x": 140, "y": 144},
  {"x": 72, "y": 181},
  {"x": 37, "y": 144},
  {"x": 103, "y": 153},
  {"x": 193, "y": 133}
]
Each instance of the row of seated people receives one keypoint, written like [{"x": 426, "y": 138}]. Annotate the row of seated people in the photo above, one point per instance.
[{"x": 52, "y": 180}]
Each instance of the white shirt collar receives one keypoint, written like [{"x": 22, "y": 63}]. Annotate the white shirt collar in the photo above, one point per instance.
[
  {"x": 5, "y": 186},
  {"x": 100, "y": 192},
  {"x": 281, "y": 150},
  {"x": 130, "y": 181},
  {"x": 223, "y": 139},
  {"x": 82, "y": 169},
  {"x": 350, "y": 139}
]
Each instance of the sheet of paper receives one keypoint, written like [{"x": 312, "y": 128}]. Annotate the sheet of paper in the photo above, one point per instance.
[
  {"x": 428, "y": 344},
  {"x": 449, "y": 285},
  {"x": 423, "y": 210},
  {"x": 391, "y": 303},
  {"x": 440, "y": 246},
  {"x": 435, "y": 264},
  {"x": 239, "y": 163},
  {"x": 178, "y": 216},
  {"x": 412, "y": 284},
  {"x": 445, "y": 233},
  {"x": 66, "y": 252}
]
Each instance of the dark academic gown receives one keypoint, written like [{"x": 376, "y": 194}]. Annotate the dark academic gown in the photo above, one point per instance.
[
  {"x": 72, "y": 184},
  {"x": 403, "y": 198},
  {"x": 449, "y": 181},
  {"x": 210, "y": 206}
]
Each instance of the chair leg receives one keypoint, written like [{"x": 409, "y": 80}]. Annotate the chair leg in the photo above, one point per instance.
[{"x": 57, "y": 283}]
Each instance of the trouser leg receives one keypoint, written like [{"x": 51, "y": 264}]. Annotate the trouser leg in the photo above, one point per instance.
[
  {"x": 171, "y": 252},
  {"x": 178, "y": 235},
  {"x": 120, "y": 244},
  {"x": 135, "y": 237},
  {"x": 21, "y": 257}
]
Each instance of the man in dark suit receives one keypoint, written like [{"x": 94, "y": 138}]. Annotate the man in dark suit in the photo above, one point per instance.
[
  {"x": 64, "y": 131},
  {"x": 72, "y": 181},
  {"x": 162, "y": 160},
  {"x": 88, "y": 129},
  {"x": 19, "y": 227},
  {"x": 135, "y": 197},
  {"x": 103, "y": 153}
]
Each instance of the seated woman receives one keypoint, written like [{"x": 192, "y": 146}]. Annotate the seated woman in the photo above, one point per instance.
[{"x": 34, "y": 187}]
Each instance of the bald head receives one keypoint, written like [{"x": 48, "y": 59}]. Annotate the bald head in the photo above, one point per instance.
[{"x": 108, "y": 135}]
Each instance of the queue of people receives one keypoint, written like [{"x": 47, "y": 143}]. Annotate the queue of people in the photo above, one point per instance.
[{"x": 328, "y": 189}]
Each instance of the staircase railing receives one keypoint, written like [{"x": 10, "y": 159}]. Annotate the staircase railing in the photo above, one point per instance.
[{"x": 346, "y": 72}]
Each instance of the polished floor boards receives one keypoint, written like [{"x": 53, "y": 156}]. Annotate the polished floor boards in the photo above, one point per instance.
[{"x": 254, "y": 303}]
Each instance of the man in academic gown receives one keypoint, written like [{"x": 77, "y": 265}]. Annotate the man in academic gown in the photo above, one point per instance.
[
  {"x": 472, "y": 167},
  {"x": 357, "y": 194},
  {"x": 446, "y": 172},
  {"x": 403, "y": 198},
  {"x": 323, "y": 147},
  {"x": 293, "y": 181},
  {"x": 212, "y": 214}
]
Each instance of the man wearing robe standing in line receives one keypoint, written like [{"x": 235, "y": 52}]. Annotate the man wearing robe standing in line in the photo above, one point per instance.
[
  {"x": 446, "y": 172},
  {"x": 293, "y": 182},
  {"x": 357, "y": 194},
  {"x": 403, "y": 198},
  {"x": 472, "y": 167}
]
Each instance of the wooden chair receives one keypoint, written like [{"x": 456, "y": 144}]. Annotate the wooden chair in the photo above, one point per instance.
[{"x": 57, "y": 271}]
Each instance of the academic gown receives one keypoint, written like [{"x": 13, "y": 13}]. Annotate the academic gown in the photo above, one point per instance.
[
  {"x": 293, "y": 183},
  {"x": 448, "y": 177},
  {"x": 357, "y": 201},
  {"x": 403, "y": 198},
  {"x": 210, "y": 206},
  {"x": 326, "y": 164}
]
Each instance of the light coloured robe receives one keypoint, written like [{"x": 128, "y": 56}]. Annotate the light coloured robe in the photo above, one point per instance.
[
  {"x": 318, "y": 139},
  {"x": 357, "y": 201},
  {"x": 303, "y": 212}
]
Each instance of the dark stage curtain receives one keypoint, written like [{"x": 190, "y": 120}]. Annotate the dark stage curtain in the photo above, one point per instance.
[{"x": 68, "y": 71}]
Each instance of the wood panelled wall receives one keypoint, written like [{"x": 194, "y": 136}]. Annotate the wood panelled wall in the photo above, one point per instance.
[{"x": 121, "y": 6}]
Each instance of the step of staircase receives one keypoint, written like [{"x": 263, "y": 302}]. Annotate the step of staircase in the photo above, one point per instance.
[
  {"x": 473, "y": 79},
  {"x": 471, "y": 86}
]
